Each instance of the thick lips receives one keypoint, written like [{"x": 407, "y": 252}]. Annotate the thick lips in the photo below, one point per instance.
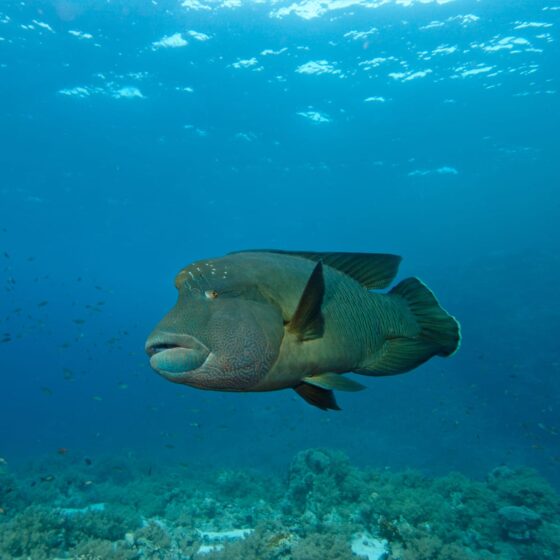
[{"x": 174, "y": 355}]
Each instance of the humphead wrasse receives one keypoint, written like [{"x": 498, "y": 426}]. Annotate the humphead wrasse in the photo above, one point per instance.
[{"x": 267, "y": 320}]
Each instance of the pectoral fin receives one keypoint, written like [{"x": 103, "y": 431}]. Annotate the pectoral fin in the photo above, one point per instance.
[
  {"x": 307, "y": 322},
  {"x": 316, "y": 396},
  {"x": 334, "y": 381}
]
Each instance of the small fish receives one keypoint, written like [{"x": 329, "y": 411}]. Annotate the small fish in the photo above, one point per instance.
[
  {"x": 47, "y": 391},
  {"x": 169, "y": 446},
  {"x": 122, "y": 386},
  {"x": 43, "y": 303},
  {"x": 79, "y": 321},
  {"x": 68, "y": 374},
  {"x": 3, "y": 461},
  {"x": 47, "y": 478},
  {"x": 62, "y": 450},
  {"x": 87, "y": 461},
  {"x": 97, "y": 398},
  {"x": 549, "y": 429}
]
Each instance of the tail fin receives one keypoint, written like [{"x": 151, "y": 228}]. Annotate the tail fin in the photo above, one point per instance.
[
  {"x": 439, "y": 334},
  {"x": 437, "y": 327}
]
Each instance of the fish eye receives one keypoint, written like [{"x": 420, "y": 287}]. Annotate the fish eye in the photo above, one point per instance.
[{"x": 211, "y": 294}]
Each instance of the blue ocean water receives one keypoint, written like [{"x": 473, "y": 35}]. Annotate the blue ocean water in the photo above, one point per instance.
[{"x": 137, "y": 137}]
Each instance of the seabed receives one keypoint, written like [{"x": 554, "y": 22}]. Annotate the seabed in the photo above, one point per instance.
[{"x": 322, "y": 508}]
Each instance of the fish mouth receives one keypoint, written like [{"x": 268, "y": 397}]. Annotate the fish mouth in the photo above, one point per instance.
[{"x": 174, "y": 356}]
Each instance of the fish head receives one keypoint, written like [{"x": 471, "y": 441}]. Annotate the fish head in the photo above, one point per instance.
[{"x": 222, "y": 334}]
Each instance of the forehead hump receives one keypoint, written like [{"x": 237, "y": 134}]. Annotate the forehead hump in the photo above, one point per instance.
[{"x": 203, "y": 274}]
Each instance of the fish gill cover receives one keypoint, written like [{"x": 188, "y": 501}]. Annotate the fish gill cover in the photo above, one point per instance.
[{"x": 139, "y": 137}]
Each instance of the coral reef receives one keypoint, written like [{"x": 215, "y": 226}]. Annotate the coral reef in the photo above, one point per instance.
[{"x": 323, "y": 508}]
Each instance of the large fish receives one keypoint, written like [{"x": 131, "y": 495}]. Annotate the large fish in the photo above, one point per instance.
[{"x": 267, "y": 320}]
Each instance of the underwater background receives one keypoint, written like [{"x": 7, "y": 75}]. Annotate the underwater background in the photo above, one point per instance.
[{"x": 139, "y": 136}]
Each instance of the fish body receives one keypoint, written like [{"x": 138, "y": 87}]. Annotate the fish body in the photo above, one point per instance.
[{"x": 269, "y": 320}]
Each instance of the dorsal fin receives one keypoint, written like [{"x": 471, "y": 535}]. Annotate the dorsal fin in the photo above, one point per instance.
[
  {"x": 373, "y": 270},
  {"x": 321, "y": 398},
  {"x": 307, "y": 322}
]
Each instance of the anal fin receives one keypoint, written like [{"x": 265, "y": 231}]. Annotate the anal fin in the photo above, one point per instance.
[
  {"x": 334, "y": 381},
  {"x": 399, "y": 355},
  {"x": 316, "y": 396}
]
